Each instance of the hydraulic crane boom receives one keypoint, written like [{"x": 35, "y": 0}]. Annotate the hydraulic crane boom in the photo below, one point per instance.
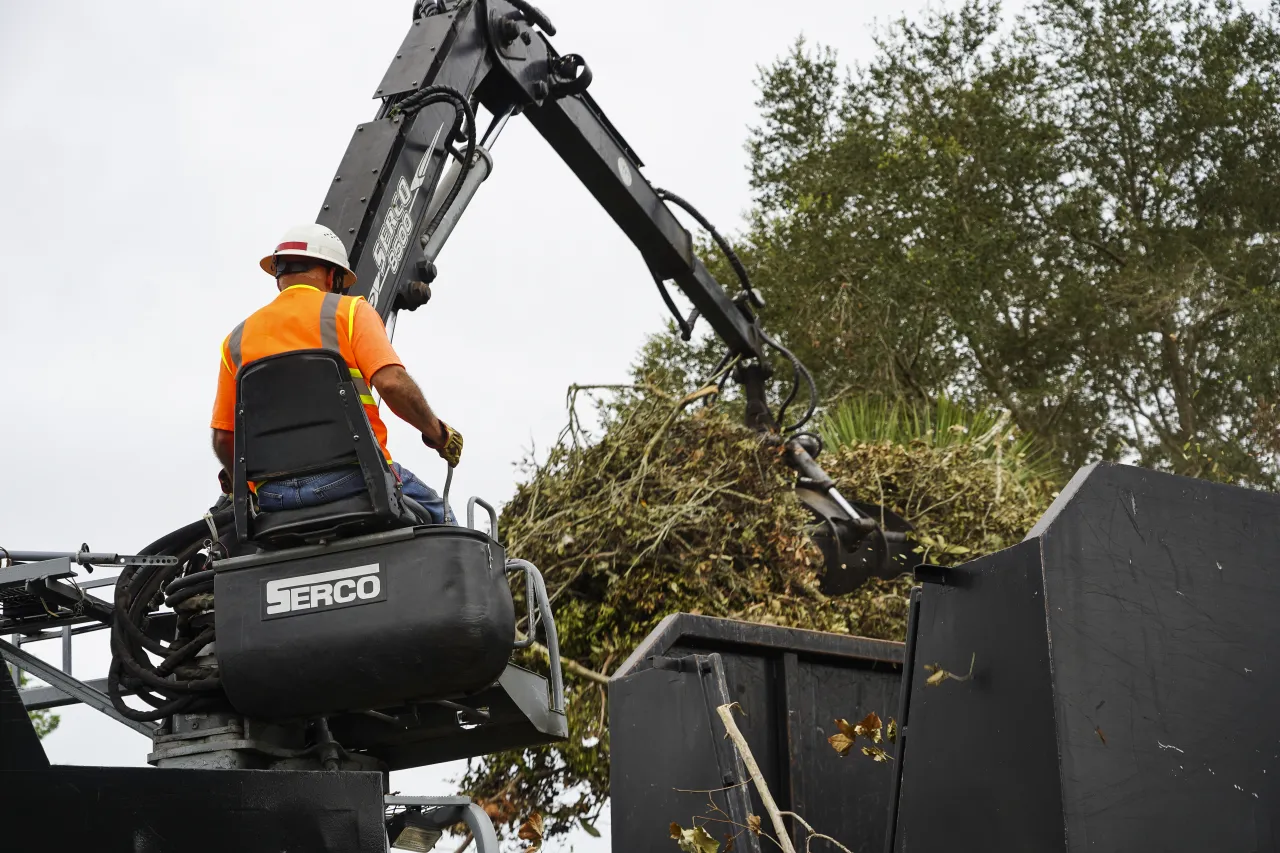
[
  {"x": 408, "y": 175},
  {"x": 383, "y": 200}
]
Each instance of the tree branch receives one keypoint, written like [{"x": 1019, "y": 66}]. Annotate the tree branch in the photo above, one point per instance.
[
  {"x": 573, "y": 666},
  {"x": 753, "y": 769}
]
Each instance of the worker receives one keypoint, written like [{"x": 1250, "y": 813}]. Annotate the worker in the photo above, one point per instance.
[{"x": 309, "y": 264}]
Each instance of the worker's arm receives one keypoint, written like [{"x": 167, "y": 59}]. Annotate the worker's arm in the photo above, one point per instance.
[
  {"x": 378, "y": 361},
  {"x": 402, "y": 394},
  {"x": 224, "y": 405},
  {"x": 224, "y": 447}
]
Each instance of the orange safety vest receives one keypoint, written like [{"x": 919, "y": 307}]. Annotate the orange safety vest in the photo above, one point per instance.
[{"x": 302, "y": 317}]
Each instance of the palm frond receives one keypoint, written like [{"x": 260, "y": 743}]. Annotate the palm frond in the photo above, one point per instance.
[{"x": 877, "y": 419}]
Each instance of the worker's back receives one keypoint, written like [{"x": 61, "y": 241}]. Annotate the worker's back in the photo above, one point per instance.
[{"x": 303, "y": 317}]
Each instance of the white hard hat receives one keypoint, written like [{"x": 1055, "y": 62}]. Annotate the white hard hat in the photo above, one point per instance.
[{"x": 311, "y": 241}]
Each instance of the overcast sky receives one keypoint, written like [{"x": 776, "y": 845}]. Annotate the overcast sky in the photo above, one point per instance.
[{"x": 154, "y": 151}]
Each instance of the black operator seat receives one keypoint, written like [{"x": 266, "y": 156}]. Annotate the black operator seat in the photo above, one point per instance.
[{"x": 297, "y": 414}]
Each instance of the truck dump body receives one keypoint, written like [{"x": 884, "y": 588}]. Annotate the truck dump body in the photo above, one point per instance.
[{"x": 1124, "y": 679}]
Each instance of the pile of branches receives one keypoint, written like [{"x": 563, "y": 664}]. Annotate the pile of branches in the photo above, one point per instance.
[{"x": 678, "y": 508}]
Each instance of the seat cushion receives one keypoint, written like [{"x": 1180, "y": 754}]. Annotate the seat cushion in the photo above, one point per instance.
[{"x": 326, "y": 521}]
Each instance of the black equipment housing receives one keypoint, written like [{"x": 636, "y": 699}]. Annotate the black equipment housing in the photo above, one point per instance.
[
  {"x": 20, "y": 748},
  {"x": 144, "y": 810},
  {"x": 791, "y": 685},
  {"x": 307, "y": 418},
  {"x": 427, "y": 615},
  {"x": 1123, "y": 679}
]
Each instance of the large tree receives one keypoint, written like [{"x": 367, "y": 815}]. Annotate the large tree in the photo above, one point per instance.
[{"x": 1070, "y": 214}]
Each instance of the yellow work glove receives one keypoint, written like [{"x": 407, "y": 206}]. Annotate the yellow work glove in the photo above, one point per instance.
[{"x": 451, "y": 449}]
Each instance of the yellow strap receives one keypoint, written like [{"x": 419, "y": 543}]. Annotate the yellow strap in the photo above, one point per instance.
[
  {"x": 367, "y": 400},
  {"x": 351, "y": 316},
  {"x": 222, "y": 351},
  {"x": 355, "y": 371}
]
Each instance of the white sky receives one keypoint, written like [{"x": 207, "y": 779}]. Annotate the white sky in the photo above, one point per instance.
[{"x": 153, "y": 151}]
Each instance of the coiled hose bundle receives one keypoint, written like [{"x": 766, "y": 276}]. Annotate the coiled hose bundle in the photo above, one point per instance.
[{"x": 174, "y": 685}]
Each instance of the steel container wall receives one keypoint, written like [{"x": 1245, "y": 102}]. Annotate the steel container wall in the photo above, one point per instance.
[{"x": 790, "y": 685}]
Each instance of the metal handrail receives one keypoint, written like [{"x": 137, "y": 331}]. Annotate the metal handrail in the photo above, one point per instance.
[
  {"x": 493, "y": 515},
  {"x": 536, "y": 590}
]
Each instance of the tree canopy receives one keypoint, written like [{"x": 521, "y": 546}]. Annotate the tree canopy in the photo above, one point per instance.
[{"x": 1069, "y": 215}]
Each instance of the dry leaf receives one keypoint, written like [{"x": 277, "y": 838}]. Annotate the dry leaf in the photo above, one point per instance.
[
  {"x": 870, "y": 727},
  {"x": 940, "y": 675},
  {"x": 877, "y": 754},
  {"x": 841, "y": 743},
  {"x": 753, "y": 823},
  {"x": 892, "y": 732},
  {"x": 694, "y": 840},
  {"x": 531, "y": 831}
]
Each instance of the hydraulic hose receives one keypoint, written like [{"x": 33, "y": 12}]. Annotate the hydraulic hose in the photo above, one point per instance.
[
  {"x": 137, "y": 589},
  {"x": 803, "y": 372},
  {"x": 798, "y": 370},
  {"x": 466, "y": 116},
  {"x": 729, "y": 253}
]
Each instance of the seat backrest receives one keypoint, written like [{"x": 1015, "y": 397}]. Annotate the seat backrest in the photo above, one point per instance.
[{"x": 299, "y": 413}]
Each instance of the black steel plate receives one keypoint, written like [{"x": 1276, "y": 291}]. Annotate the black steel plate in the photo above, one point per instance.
[
  {"x": 363, "y": 167},
  {"x": 426, "y": 40}
]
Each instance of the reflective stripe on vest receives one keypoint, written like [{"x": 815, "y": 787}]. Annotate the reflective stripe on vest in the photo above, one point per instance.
[
  {"x": 329, "y": 323},
  {"x": 362, "y": 387}
]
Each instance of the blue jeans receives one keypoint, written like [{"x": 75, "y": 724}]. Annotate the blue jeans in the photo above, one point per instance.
[{"x": 317, "y": 489}]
